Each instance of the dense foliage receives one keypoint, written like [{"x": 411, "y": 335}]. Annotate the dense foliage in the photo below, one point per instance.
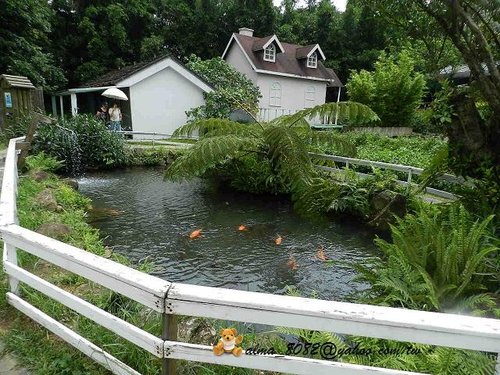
[
  {"x": 81, "y": 142},
  {"x": 437, "y": 261},
  {"x": 232, "y": 89},
  {"x": 393, "y": 90},
  {"x": 417, "y": 151},
  {"x": 64, "y": 41}
]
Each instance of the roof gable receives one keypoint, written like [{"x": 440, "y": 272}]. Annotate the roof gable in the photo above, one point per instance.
[
  {"x": 262, "y": 43},
  {"x": 132, "y": 74},
  {"x": 305, "y": 52}
]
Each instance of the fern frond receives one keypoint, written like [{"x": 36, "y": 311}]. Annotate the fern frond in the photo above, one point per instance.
[
  {"x": 215, "y": 126},
  {"x": 208, "y": 152},
  {"x": 349, "y": 112}
]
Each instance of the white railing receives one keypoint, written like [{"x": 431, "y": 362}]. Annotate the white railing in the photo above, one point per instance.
[
  {"x": 409, "y": 170},
  {"x": 173, "y": 299},
  {"x": 269, "y": 114}
]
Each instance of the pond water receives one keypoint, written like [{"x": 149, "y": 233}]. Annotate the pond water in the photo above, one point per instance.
[{"x": 148, "y": 217}]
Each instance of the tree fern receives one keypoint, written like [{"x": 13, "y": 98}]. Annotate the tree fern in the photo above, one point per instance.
[{"x": 209, "y": 152}]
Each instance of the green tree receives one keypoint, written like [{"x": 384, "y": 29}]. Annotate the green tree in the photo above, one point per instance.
[
  {"x": 232, "y": 90},
  {"x": 24, "y": 46},
  {"x": 394, "y": 90}
]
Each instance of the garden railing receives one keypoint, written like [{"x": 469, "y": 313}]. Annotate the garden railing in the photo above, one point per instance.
[{"x": 172, "y": 299}]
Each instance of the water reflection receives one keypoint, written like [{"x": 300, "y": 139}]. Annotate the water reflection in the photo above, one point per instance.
[{"x": 159, "y": 215}]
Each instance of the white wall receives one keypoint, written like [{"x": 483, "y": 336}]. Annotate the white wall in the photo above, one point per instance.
[
  {"x": 158, "y": 103},
  {"x": 293, "y": 92},
  {"x": 237, "y": 60}
]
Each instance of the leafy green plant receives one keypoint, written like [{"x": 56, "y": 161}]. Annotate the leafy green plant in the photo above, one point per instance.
[
  {"x": 437, "y": 260},
  {"x": 43, "y": 162},
  {"x": 232, "y": 89},
  {"x": 82, "y": 142},
  {"x": 394, "y": 90},
  {"x": 279, "y": 149}
]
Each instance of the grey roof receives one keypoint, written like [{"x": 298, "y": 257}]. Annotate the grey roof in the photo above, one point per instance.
[
  {"x": 17, "y": 81},
  {"x": 113, "y": 77},
  {"x": 286, "y": 62},
  {"x": 302, "y": 52}
]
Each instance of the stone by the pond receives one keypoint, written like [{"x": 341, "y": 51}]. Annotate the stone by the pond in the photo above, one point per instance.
[
  {"x": 54, "y": 230},
  {"x": 71, "y": 183},
  {"x": 197, "y": 331},
  {"x": 39, "y": 175},
  {"x": 385, "y": 206},
  {"x": 46, "y": 200}
]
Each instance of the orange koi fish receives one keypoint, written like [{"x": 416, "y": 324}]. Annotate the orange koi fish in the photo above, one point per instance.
[
  {"x": 278, "y": 240},
  {"x": 320, "y": 254},
  {"x": 242, "y": 227},
  {"x": 292, "y": 263},
  {"x": 195, "y": 234}
]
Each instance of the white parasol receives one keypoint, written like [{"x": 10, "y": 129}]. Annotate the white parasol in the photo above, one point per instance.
[{"x": 115, "y": 93}]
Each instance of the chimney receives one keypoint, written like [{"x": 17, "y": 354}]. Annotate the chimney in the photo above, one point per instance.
[{"x": 246, "y": 31}]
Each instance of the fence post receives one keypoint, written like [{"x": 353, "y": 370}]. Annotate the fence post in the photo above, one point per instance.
[
  {"x": 10, "y": 255},
  {"x": 169, "y": 332},
  {"x": 409, "y": 175}
]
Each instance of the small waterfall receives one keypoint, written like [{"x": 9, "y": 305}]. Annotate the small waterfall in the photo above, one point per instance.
[{"x": 74, "y": 162}]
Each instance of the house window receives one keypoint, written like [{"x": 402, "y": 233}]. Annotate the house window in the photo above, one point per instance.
[
  {"x": 275, "y": 95},
  {"x": 312, "y": 61},
  {"x": 310, "y": 96},
  {"x": 270, "y": 53}
]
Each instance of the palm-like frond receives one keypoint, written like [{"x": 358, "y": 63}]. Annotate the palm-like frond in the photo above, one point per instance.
[
  {"x": 208, "y": 152},
  {"x": 348, "y": 112},
  {"x": 214, "y": 127}
]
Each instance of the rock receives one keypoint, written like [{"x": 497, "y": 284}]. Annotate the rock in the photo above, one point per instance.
[
  {"x": 54, "y": 230},
  {"x": 46, "y": 200},
  {"x": 71, "y": 183},
  {"x": 39, "y": 176},
  {"x": 197, "y": 331},
  {"x": 385, "y": 206}
]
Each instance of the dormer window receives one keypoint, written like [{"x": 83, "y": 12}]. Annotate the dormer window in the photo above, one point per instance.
[
  {"x": 270, "y": 53},
  {"x": 312, "y": 61}
]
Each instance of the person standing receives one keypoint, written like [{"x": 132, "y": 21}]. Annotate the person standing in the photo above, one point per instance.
[
  {"x": 115, "y": 118},
  {"x": 102, "y": 113}
]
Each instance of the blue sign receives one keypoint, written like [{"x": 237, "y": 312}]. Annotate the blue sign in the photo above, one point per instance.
[{"x": 8, "y": 100}]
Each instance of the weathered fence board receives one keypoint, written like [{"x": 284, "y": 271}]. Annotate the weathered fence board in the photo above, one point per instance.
[
  {"x": 456, "y": 331},
  {"x": 281, "y": 363},
  {"x": 139, "y": 286},
  {"x": 137, "y": 336},
  {"x": 93, "y": 351}
]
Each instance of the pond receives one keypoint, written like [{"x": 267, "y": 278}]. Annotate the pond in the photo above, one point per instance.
[{"x": 148, "y": 217}]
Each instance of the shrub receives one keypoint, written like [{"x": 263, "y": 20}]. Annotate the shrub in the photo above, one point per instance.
[
  {"x": 233, "y": 90},
  {"x": 394, "y": 90},
  {"x": 43, "y": 162},
  {"x": 82, "y": 142},
  {"x": 437, "y": 260}
]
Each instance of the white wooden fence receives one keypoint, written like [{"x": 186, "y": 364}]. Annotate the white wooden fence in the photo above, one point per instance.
[
  {"x": 173, "y": 299},
  {"x": 409, "y": 170}
]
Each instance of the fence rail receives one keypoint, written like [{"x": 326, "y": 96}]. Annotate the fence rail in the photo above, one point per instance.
[{"x": 172, "y": 299}]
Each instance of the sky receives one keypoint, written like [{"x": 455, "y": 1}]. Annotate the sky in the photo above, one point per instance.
[{"x": 339, "y": 4}]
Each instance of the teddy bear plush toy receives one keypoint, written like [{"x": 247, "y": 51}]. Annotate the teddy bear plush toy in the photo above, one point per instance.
[{"x": 228, "y": 341}]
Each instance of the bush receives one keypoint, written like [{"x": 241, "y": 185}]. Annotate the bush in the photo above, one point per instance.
[
  {"x": 233, "y": 90},
  {"x": 82, "y": 142},
  {"x": 394, "y": 90}
]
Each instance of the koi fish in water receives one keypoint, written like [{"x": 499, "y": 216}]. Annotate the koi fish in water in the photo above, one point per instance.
[
  {"x": 320, "y": 254},
  {"x": 242, "y": 227},
  {"x": 292, "y": 263},
  {"x": 278, "y": 240},
  {"x": 195, "y": 234}
]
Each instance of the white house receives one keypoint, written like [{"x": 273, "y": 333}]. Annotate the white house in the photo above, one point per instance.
[
  {"x": 290, "y": 77},
  {"x": 159, "y": 92}
]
